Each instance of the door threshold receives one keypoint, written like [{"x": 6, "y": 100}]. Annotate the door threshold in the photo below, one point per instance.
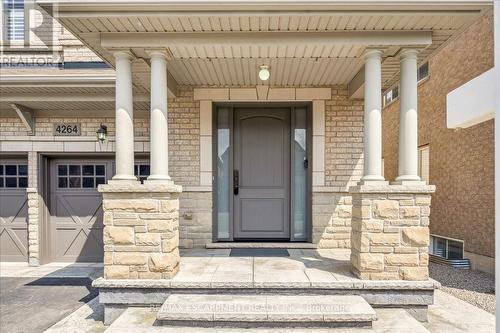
[{"x": 260, "y": 245}]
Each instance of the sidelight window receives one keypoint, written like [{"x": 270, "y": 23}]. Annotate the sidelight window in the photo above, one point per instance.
[{"x": 223, "y": 167}]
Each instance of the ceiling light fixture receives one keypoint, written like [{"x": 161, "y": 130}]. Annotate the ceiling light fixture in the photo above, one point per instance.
[{"x": 264, "y": 73}]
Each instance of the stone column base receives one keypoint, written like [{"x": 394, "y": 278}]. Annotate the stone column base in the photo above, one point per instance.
[
  {"x": 141, "y": 236},
  {"x": 390, "y": 231}
]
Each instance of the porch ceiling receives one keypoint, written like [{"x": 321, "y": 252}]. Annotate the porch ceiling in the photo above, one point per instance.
[{"x": 292, "y": 64}]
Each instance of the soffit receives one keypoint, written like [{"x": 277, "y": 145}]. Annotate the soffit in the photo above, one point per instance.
[{"x": 291, "y": 65}]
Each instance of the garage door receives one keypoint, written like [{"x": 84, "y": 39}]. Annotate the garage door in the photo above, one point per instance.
[
  {"x": 13, "y": 210},
  {"x": 76, "y": 209}
]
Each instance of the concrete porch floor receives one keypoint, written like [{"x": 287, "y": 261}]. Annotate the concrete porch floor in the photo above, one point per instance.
[{"x": 303, "y": 268}]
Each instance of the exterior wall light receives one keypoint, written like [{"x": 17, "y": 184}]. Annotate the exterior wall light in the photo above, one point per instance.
[
  {"x": 102, "y": 133},
  {"x": 264, "y": 73}
]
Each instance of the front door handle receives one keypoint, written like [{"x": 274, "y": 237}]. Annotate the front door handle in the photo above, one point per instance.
[{"x": 236, "y": 182}]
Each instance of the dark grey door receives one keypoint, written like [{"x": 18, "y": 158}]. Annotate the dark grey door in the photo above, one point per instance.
[
  {"x": 76, "y": 209},
  {"x": 261, "y": 173},
  {"x": 13, "y": 210}
]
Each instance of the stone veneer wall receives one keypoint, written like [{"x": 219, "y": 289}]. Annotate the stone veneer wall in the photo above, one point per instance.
[
  {"x": 141, "y": 236},
  {"x": 461, "y": 161},
  {"x": 33, "y": 234},
  {"x": 390, "y": 231},
  {"x": 331, "y": 214},
  {"x": 195, "y": 215}
]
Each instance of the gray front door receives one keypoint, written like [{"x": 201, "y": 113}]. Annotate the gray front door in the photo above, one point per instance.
[{"x": 261, "y": 175}]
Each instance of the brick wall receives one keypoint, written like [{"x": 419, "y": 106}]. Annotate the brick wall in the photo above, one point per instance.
[
  {"x": 343, "y": 139},
  {"x": 461, "y": 161}
]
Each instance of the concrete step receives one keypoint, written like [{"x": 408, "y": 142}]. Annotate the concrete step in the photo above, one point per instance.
[{"x": 243, "y": 310}]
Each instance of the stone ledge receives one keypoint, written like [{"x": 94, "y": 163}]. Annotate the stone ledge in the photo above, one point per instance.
[
  {"x": 179, "y": 284},
  {"x": 139, "y": 188},
  {"x": 392, "y": 188}
]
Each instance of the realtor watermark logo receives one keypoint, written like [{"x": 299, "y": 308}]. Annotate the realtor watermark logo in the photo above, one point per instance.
[{"x": 30, "y": 34}]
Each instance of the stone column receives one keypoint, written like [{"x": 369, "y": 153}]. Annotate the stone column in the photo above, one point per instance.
[
  {"x": 124, "y": 123},
  {"x": 390, "y": 231},
  {"x": 408, "y": 123},
  {"x": 372, "y": 117},
  {"x": 159, "y": 121},
  {"x": 141, "y": 235}
]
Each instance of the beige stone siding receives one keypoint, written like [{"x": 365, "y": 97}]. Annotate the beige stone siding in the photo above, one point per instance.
[
  {"x": 141, "y": 231},
  {"x": 331, "y": 214},
  {"x": 390, "y": 231},
  {"x": 195, "y": 219},
  {"x": 461, "y": 161}
]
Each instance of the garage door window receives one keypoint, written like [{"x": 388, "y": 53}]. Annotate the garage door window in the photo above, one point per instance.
[
  {"x": 13, "y": 175},
  {"x": 80, "y": 175}
]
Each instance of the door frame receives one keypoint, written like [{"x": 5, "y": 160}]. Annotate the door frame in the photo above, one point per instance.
[{"x": 231, "y": 107}]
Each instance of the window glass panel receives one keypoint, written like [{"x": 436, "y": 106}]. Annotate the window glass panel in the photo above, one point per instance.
[
  {"x": 299, "y": 177},
  {"x": 439, "y": 247},
  {"x": 62, "y": 170},
  {"x": 144, "y": 170},
  {"x": 99, "y": 180},
  {"x": 10, "y": 182},
  {"x": 1, "y": 169},
  {"x": 423, "y": 71},
  {"x": 62, "y": 182},
  {"x": 88, "y": 170},
  {"x": 88, "y": 182},
  {"x": 14, "y": 15},
  {"x": 100, "y": 170},
  {"x": 136, "y": 168},
  {"x": 455, "y": 249},
  {"x": 11, "y": 170},
  {"x": 74, "y": 170},
  {"x": 74, "y": 182},
  {"x": 23, "y": 169},
  {"x": 23, "y": 182},
  {"x": 223, "y": 169},
  {"x": 1, "y": 182}
]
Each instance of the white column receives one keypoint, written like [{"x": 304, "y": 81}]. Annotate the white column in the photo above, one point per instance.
[
  {"x": 408, "y": 123},
  {"x": 373, "y": 118},
  {"x": 124, "y": 118},
  {"x": 159, "y": 121}
]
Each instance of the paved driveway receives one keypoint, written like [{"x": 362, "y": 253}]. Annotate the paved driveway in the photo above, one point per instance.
[{"x": 33, "y": 299}]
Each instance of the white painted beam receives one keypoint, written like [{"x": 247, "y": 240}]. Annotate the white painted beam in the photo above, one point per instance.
[
  {"x": 26, "y": 115},
  {"x": 116, "y": 40},
  {"x": 65, "y": 97},
  {"x": 86, "y": 80},
  {"x": 356, "y": 87}
]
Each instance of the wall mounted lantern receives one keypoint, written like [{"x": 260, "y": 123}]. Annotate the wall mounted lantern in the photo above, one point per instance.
[{"x": 102, "y": 133}]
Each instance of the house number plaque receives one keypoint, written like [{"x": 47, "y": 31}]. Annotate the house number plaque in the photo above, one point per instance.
[{"x": 67, "y": 129}]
